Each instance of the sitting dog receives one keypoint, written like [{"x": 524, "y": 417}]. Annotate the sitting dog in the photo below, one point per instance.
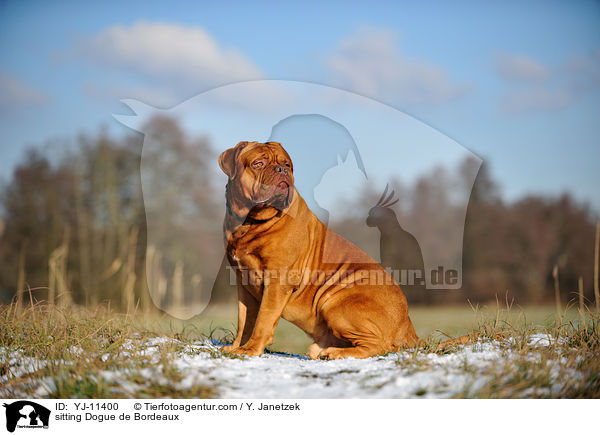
[{"x": 344, "y": 300}]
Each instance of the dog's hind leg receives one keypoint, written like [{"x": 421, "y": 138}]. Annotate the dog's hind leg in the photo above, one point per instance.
[
  {"x": 357, "y": 335},
  {"x": 324, "y": 338},
  {"x": 355, "y": 341},
  {"x": 361, "y": 351}
]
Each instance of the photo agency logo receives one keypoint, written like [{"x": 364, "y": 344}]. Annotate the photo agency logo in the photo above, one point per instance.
[
  {"x": 390, "y": 184},
  {"x": 25, "y": 414}
]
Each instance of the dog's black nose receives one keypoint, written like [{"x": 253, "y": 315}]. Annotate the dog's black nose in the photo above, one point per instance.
[{"x": 281, "y": 169}]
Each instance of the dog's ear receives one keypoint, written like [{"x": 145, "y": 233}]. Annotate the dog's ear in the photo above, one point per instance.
[
  {"x": 227, "y": 159},
  {"x": 227, "y": 162}
]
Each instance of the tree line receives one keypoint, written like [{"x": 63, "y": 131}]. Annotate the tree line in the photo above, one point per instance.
[{"x": 74, "y": 228}]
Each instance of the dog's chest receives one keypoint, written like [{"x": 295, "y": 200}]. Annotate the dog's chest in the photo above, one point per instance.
[
  {"x": 248, "y": 261},
  {"x": 250, "y": 248},
  {"x": 249, "y": 272},
  {"x": 244, "y": 258}
]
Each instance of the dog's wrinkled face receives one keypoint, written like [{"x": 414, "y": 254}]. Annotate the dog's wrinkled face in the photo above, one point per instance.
[{"x": 260, "y": 175}]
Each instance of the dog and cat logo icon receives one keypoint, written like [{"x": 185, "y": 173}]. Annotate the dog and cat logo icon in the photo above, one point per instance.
[{"x": 26, "y": 414}]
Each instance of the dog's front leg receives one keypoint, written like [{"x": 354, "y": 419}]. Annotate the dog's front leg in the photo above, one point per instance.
[
  {"x": 247, "y": 312},
  {"x": 274, "y": 299}
]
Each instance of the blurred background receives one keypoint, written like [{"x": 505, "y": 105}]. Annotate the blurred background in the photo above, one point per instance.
[{"x": 517, "y": 85}]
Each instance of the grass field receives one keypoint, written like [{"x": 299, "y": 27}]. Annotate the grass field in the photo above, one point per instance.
[
  {"x": 439, "y": 322},
  {"x": 75, "y": 353}
]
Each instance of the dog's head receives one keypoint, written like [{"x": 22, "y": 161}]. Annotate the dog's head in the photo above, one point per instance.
[{"x": 260, "y": 175}]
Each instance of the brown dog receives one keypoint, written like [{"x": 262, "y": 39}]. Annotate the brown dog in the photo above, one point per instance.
[{"x": 344, "y": 300}]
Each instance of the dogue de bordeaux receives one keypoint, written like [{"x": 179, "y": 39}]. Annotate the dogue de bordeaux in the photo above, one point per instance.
[{"x": 345, "y": 301}]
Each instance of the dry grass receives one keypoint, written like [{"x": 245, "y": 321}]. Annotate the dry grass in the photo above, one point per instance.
[
  {"x": 69, "y": 352},
  {"x": 57, "y": 352}
]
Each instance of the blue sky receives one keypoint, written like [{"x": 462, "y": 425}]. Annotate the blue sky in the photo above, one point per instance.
[{"x": 516, "y": 83}]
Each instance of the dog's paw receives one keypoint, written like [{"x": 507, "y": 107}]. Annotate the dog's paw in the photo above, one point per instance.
[
  {"x": 332, "y": 353},
  {"x": 229, "y": 348},
  {"x": 248, "y": 351}
]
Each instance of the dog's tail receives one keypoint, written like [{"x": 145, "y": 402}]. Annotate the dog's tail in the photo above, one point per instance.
[
  {"x": 448, "y": 344},
  {"x": 414, "y": 342},
  {"x": 466, "y": 339}
]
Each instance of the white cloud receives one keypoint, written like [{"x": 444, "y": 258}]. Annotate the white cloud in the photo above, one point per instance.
[
  {"x": 370, "y": 63},
  {"x": 183, "y": 57},
  {"x": 519, "y": 67},
  {"x": 534, "y": 87},
  {"x": 14, "y": 94},
  {"x": 583, "y": 72},
  {"x": 535, "y": 99}
]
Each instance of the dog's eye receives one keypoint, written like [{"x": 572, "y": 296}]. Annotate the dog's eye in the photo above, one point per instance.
[
  {"x": 288, "y": 165},
  {"x": 258, "y": 164}
]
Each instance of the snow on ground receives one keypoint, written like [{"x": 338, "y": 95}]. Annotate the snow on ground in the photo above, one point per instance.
[
  {"x": 20, "y": 364},
  {"x": 402, "y": 375},
  {"x": 407, "y": 374}
]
